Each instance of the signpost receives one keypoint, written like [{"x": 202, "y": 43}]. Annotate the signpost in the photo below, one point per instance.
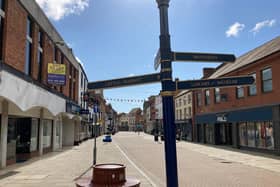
[
  {"x": 164, "y": 59},
  {"x": 212, "y": 83}
]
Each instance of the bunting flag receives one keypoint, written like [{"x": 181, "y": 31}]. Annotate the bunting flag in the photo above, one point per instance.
[{"x": 122, "y": 100}]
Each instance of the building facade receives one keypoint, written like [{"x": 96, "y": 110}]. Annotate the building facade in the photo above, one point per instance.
[
  {"x": 184, "y": 114},
  {"x": 37, "y": 114},
  {"x": 244, "y": 116}
]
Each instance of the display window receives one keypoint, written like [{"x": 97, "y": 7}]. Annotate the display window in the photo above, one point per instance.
[
  {"x": 34, "y": 135},
  {"x": 47, "y": 133},
  {"x": 251, "y": 134},
  {"x": 243, "y": 134}
]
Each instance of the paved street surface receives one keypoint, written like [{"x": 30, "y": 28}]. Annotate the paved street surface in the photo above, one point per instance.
[{"x": 198, "y": 165}]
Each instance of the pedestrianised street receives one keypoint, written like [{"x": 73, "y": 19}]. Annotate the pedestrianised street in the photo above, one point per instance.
[{"x": 198, "y": 165}]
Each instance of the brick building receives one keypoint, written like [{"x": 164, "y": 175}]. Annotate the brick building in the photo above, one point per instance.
[
  {"x": 244, "y": 116},
  {"x": 36, "y": 116}
]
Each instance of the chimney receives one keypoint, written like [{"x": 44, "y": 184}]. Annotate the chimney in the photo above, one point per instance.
[{"x": 207, "y": 72}]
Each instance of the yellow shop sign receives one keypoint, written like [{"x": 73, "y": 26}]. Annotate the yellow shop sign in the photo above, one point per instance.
[{"x": 58, "y": 69}]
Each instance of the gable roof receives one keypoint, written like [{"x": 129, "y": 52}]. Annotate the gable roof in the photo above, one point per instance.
[{"x": 249, "y": 58}]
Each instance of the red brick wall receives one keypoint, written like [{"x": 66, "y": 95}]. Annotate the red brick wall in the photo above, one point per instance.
[
  {"x": 15, "y": 35},
  {"x": 260, "y": 99}
]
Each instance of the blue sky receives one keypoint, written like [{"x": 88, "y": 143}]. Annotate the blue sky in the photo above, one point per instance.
[{"x": 119, "y": 38}]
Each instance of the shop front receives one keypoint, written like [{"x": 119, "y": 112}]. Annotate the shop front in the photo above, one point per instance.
[
  {"x": 253, "y": 129},
  {"x": 184, "y": 129},
  {"x": 22, "y": 139}
]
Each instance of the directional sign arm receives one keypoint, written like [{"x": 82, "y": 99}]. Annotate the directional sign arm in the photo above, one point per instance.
[
  {"x": 128, "y": 81},
  {"x": 219, "y": 82},
  {"x": 202, "y": 57}
]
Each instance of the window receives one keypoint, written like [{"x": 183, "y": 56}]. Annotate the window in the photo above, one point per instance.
[
  {"x": 55, "y": 52},
  {"x": 243, "y": 134},
  {"x": 217, "y": 95},
  {"x": 180, "y": 102},
  {"x": 253, "y": 87},
  {"x": 2, "y": 5},
  {"x": 190, "y": 111},
  {"x": 267, "y": 80},
  {"x": 185, "y": 113},
  {"x": 199, "y": 99},
  {"x": 82, "y": 80},
  {"x": 251, "y": 134},
  {"x": 189, "y": 99},
  {"x": 207, "y": 97},
  {"x": 240, "y": 92},
  {"x": 40, "y": 55},
  {"x": 185, "y": 102},
  {"x": 180, "y": 114},
  {"x": 257, "y": 134},
  {"x": 2, "y": 16},
  {"x": 28, "y": 48}
]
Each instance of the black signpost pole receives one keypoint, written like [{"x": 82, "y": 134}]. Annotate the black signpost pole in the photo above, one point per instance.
[{"x": 167, "y": 97}]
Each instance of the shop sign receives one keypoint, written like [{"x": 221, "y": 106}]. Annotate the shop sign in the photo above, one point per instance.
[
  {"x": 72, "y": 108},
  {"x": 56, "y": 74},
  {"x": 84, "y": 111},
  {"x": 221, "y": 118}
]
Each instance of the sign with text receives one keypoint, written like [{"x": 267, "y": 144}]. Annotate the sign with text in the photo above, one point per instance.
[
  {"x": 203, "y": 57},
  {"x": 129, "y": 81},
  {"x": 56, "y": 74},
  {"x": 219, "y": 82}
]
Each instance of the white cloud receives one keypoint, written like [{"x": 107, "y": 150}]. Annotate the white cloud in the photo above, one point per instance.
[
  {"x": 131, "y": 75},
  {"x": 57, "y": 9},
  {"x": 260, "y": 25},
  {"x": 233, "y": 30}
]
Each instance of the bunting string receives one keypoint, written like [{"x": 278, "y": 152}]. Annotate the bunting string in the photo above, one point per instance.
[{"x": 122, "y": 100}]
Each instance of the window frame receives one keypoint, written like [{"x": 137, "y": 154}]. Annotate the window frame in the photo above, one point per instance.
[
  {"x": 237, "y": 93},
  {"x": 267, "y": 68},
  {"x": 254, "y": 74},
  {"x": 207, "y": 98},
  {"x": 217, "y": 94},
  {"x": 28, "y": 49}
]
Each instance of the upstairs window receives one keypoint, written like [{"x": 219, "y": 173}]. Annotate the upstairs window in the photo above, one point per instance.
[
  {"x": 207, "y": 97},
  {"x": 40, "y": 55},
  {"x": 2, "y": 16},
  {"x": 199, "y": 99},
  {"x": 252, "y": 89},
  {"x": 239, "y": 92},
  {"x": 217, "y": 95},
  {"x": 28, "y": 47},
  {"x": 2, "y": 5},
  {"x": 55, "y": 53},
  {"x": 267, "y": 80}
]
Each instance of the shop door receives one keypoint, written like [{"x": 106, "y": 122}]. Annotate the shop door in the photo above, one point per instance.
[
  {"x": 23, "y": 136},
  {"x": 228, "y": 133}
]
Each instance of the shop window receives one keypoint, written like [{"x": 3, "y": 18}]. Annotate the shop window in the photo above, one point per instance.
[
  {"x": 251, "y": 134},
  {"x": 11, "y": 139},
  {"x": 260, "y": 135},
  {"x": 217, "y": 95},
  {"x": 207, "y": 97},
  {"x": 269, "y": 135},
  {"x": 243, "y": 134},
  {"x": 47, "y": 133},
  {"x": 28, "y": 47},
  {"x": 34, "y": 135},
  {"x": 267, "y": 80},
  {"x": 252, "y": 90}
]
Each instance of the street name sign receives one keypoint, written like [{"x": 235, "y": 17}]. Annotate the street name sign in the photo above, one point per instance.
[
  {"x": 219, "y": 82},
  {"x": 202, "y": 57},
  {"x": 129, "y": 81}
]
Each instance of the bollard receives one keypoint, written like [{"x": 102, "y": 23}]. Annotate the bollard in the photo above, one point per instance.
[{"x": 106, "y": 175}]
